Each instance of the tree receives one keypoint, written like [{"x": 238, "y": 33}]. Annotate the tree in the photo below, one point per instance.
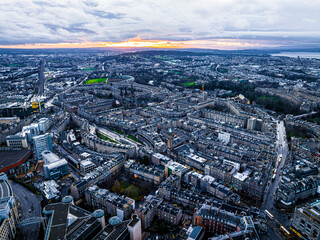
[
  {"x": 116, "y": 186},
  {"x": 145, "y": 160}
]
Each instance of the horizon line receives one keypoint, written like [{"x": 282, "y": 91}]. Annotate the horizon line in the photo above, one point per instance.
[{"x": 216, "y": 44}]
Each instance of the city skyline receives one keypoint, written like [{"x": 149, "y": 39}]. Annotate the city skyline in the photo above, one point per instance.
[{"x": 179, "y": 24}]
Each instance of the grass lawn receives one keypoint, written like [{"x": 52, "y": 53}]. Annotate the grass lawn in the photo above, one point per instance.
[
  {"x": 96, "y": 80},
  {"x": 299, "y": 134},
  {"x": 129, "y": 190},
  {"x": 188, "y": 84},
  {"x": 106, "y": 138},
  {"x": 117, "y": 131},
  {"x": 133, "y": 138},
  {"x": 87, "y": 69},
  {"x": 316, "y": 120}
]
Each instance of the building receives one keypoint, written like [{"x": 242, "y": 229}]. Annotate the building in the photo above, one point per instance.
[
  {"x": 13, "y": 158},
  {"x": 50, "y": 191},
  {"x": 42, "y": 143},
  {"x": 134, "y": 228},
  {"x": 169, "y": 213},
  {"x": 215, "y": 220},
  {"x": 155, "y": 206},
  {"x": 17, "y": 141},
  {"x": 8, "y": 210},
  {"x": 113, "y": 203},
  {"x": 54, "y": 167},
  {"x": 224, "y": 137},
  {"x": 170, "y": 140},
  {"x": 67, "y": 221},
  {"x": 306, "y": 221},
  {"x": 122, "y": 230},
  {"x": 31, "y": 131},
  {"x": 102, "y": 174},
  {"x": 251, "y": 125},
  {"x": 44, "y": 125},
  {"x": 291, "y": 191},
  {"x": 15, "y": 110},
  {"x": 160, "y": 159},
  {"x": 87, "y": 166},
  {"x": 175, "y": 168},
  {"x": 196, "y": 233},
  {"x": 148, "y": 209},
  {"x": 151, "y": 174}
]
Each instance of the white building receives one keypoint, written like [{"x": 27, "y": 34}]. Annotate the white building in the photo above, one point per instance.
[
  {"x": 87, "y": 166},
  {"x": 224, "y": 137},
  {"x": 31, "y": 131},
  {"x": 17, "y": 141},
  {"x": 54, "y": 167},
  {"x": 44, "y": 125},
  {"x": 175, "y": 168}
]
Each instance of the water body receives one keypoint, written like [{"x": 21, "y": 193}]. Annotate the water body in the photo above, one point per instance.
[{"x": 298, "y": 54}]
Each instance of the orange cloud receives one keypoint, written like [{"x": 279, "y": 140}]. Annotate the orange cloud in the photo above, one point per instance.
[{"x": 139, "y": 43}]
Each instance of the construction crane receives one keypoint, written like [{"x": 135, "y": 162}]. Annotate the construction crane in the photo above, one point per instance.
[{"x": 203, "y": 86}]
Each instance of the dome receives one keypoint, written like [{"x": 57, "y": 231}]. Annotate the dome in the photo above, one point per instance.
[
  {"x": 67, "y": 199},
  {"x": 113, "y": 221},
  {"x": 98, "y": 213}
]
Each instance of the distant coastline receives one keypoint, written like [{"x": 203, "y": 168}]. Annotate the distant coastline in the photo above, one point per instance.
[{"x": 298, "y": 54}]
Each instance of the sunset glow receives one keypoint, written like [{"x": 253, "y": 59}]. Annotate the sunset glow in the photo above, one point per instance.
[{"x": 209, "y": 44}]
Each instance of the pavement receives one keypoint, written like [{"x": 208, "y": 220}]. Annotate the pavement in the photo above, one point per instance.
[{"x": 28, "y": 201}]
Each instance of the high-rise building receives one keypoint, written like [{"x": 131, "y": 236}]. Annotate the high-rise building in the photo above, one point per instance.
[
  {"x": 251, "y": 125},
  {"x": 42, "y": 143},
  {"x": 31, "y": 131}
]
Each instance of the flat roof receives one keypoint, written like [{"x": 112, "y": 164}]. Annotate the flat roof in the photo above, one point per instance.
[{"x": 12, "y": 157}]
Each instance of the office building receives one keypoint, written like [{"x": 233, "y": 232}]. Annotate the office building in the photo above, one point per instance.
[
  {"x": 42, "y": 143},
  {"x": 17, "y": 141},
  {"x": 54, "y": 167},
  {"x": 44, "y": 125}
]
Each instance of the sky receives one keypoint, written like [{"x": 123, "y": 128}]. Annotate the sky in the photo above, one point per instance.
[{"x": 218, "y": 24}]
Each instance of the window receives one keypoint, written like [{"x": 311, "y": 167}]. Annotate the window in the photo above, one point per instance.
[{"x": 315, "y": 233}]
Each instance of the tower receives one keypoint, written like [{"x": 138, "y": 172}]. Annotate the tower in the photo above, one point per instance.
[{"x": 170, "y": 140}]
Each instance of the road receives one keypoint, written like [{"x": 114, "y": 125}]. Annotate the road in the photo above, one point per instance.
[
  {"x": 49, "y": 101},
  {"x": 282, "y": 148},
  {"x": 41, "y": 78},
  {"x": 269, "y": 198},
  {"x": 28, "y": 201}
]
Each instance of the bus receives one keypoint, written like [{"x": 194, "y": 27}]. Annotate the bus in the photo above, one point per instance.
[
  {"x": 285, "y": 231},
  {"x": 280, "y": 158},
  {"x": 274, "y": 175},
  {"x": 268, "y": 214}
]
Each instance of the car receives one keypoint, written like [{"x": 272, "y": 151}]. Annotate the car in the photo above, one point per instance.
[{"x": 29, "y": 209}]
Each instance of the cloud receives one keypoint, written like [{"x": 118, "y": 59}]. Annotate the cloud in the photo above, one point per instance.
[
  {"x": 36, "y": 21},
  {"x": 108, "y": 15}
]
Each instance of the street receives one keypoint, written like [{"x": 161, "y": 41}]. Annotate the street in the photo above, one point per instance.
[
  {"x": 269, "y": 199},
  {"x": 30, "y": 207}
]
